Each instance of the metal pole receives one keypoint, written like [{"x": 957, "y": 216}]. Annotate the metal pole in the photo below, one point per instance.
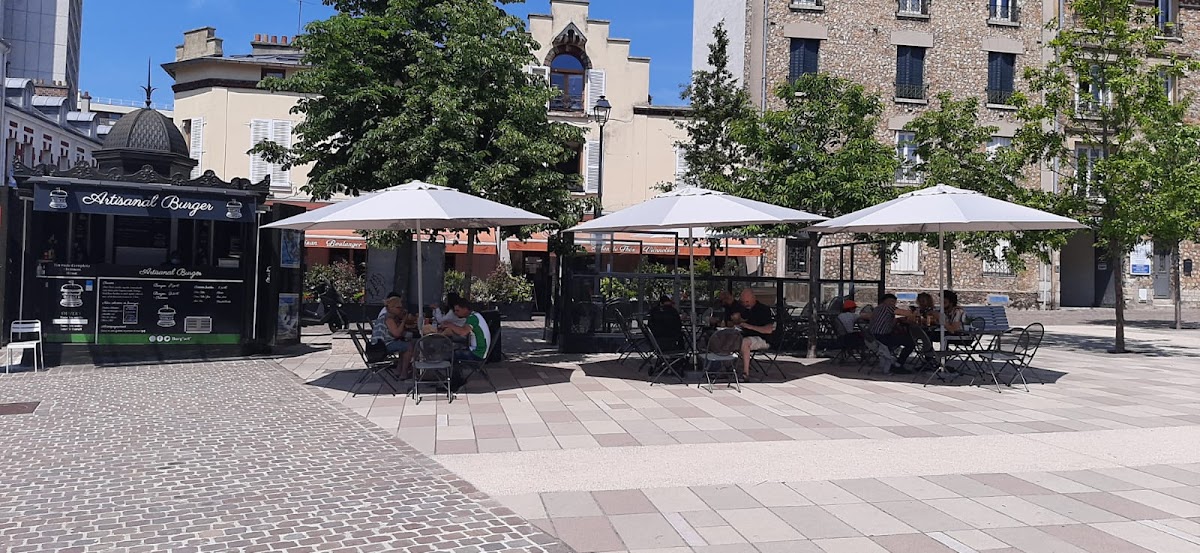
[
  {"x": 692, "y": 276},
  {"x": 24, "y": 246},
  {"x": 599, "y": 209},
  {"x": 421, "y": 280},
  {"x": 942, "y": 292}
]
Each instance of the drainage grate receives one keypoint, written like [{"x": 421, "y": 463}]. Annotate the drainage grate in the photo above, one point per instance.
[{"x": 18, "y": 408}]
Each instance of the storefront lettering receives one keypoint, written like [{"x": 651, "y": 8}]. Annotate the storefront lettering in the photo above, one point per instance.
[
  {"x": 180, "y": 272},
  {"x": 173, "y": 203}
]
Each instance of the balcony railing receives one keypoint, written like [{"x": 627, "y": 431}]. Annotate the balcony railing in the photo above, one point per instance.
[
  {"x": 808, "y": 4},
  {"x": 999, "y": 96},
  {"x": 1006, "y": 12},
  {"x": 1088, "y": 106},
  {"x": 1170, "y": 29},
  {"x": 907, "y": 174},
  {"x": 912, "y": 8},
  {"x": 911, "y": 91},
  {"x": 567, "y": 102}
]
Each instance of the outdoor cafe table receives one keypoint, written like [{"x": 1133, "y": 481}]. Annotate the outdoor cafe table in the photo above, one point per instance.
[{"x": 970, "y": 352}]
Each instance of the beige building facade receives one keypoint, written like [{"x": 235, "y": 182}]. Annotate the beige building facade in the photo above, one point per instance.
[
  {"x": 580, "y": 57},
  {"x": 223, "y": 113},
  {"x": 908, "y": 51}
]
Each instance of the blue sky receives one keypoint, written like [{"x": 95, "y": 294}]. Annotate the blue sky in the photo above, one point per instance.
[{"x": 115, "y": 53}]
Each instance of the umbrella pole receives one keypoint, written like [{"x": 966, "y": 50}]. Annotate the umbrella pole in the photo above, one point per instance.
[
  {"x": 421, "y": 280},
  {"x": 692, "y": 274},
  {"x": 942, "y": 295}
]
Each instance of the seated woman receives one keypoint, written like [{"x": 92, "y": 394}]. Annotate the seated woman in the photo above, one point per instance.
[
  {"x": 925, "y": 306},
  {"x": 389, "y": 329}
]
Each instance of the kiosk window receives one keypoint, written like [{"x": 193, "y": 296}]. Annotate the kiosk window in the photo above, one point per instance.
[{"x": 141, "y": 240}]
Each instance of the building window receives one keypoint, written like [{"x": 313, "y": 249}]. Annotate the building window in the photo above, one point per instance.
[
  {"x": 1168, "y": 82},
  {"x": 567, "y": 75},
  {"x": 912, "y": 8},
  {"x": 906, "y": 150},
  {"x": 907, "y": 259},
  {"x": 1001, "y": 67},
  {"x": 279, "y": 132},
  {"x": 1086, "y": 177},
  {"x": 804, "y": 52},
  {"x": 998, "y": 267},
  {"x": 797, "y": 256},
  {"x": 269, "y": 73},
  {"x": 1168, "y": 24},
  {"x": 1004, "y": 11},
  {"x": 573, "y": 165},
  {"x": 910, "y": 72},
  {"x": 1091, "y": 94}
]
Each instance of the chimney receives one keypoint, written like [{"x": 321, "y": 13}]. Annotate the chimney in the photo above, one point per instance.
[
  {"x": 264, "y": 45},
  {"x": 199, "y": 43},
  {"x": 85, "y": 102}
]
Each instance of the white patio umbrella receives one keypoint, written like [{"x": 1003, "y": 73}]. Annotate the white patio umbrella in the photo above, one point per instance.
[
  {"x": 688, "y": 208},
  {"x": 943, "y": 209},
  {"x": 415, "y": 206}
]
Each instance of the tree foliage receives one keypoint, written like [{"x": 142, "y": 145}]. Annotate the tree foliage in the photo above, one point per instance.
[
  {"x": 818, "y": 152},
  {"x": 1105, "y": 85},
  {"x": 436, "y": 90},
  {"x": 720, "y": 108},
  {"x": 950, "y": 143}
]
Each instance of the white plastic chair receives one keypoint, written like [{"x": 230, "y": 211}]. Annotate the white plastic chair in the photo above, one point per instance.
[{"x": 24, "y": 329}]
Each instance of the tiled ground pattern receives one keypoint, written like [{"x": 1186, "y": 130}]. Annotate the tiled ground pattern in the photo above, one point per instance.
[
  {"x": 548, "y": 402},
  {"x": 224, "y": 457},
  {"x": 1152, "y": 509}
]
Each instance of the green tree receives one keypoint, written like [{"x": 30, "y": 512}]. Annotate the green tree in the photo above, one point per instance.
[
  {"x": 1103, "y": 85},
  {"x": 436, "y": 90},
  {"x": 720, "y": 107},
  {"x": 817, "y": 153},
  {"x": 954, "y": 148},
  {"x": 1173, "y": 204}
]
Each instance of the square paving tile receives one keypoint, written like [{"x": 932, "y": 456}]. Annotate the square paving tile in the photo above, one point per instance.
[
  {"x": 646, "y": 531},
  {"x": 588, "y": 534},
  {"x": 570, "y": 504},
  {"x": 911, "y": 543},
  {"x": 623, "y": 502},
  {"x": 725, "y": 497},
  {"x": 760, "y": 525},
  {"x": 814, "y": 522}
]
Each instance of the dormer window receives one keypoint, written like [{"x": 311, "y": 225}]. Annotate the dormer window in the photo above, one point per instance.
[{"x": 567, "y": 74}]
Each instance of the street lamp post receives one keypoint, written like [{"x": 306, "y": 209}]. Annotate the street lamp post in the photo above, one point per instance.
[{"x": 600, "y": 114}]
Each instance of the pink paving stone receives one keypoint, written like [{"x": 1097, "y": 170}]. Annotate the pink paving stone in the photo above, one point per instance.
[
  {"x": 588, "y": 534},
  {"x": 911, "y": 543},
  {"x": 623, "y": 502},
  {"x": 1120, "y": 506},
  {"x": 1009, "y": 484},
  {"x": 765, "y": 435},
  {"x": 557, "y": 416},
  {"x": 615, "y": 440},
  {"x": 493, "y": 431},
  {"x": 1090, "y": 539},
  {"x": 450, "y": 447}
]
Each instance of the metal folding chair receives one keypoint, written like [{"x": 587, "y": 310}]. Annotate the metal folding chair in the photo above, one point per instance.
[
  {"x": 662, "y": 362},
  {"x": 25, "y": 335},
  {"x": 1022, "y": 355},
  {"x": 433, "y": 357},
  {"x": 720, "y": 360},
  {"x": 634, "y": 345},
  {"x": 371, "y": 369}
]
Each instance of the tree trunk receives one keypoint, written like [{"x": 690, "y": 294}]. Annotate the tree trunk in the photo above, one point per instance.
[
  {"x": 470, "y": 265},
  {"x": 814, "y": 291},
  {"x": 1176, "y": 286},
  {"x": 1118, "y": 258}
]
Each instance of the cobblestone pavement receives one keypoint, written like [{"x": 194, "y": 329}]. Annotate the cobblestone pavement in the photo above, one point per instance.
[
  {"x": 235, "y": 456},
  {"x": 1101, "y": 458}
]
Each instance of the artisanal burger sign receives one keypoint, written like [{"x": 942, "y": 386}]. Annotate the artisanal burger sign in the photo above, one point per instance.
[{"x": 154, "y": 202}]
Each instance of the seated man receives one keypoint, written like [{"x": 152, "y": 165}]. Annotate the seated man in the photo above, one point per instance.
[
  {"x": 474, "y": 328},
  {"x": 389, "y": 330},
  {"x": 847, "y": 321},
  {"x": 757, "y": 326},
  {"x": 443, "y": 315},
  {"x": 666, "y": 325},
  {"x": 730, "y": 311},
  {"x": 883, "y": 326}
]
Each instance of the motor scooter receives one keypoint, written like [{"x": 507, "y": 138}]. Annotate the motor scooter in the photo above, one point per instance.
[{"x": 329, "y": 309}]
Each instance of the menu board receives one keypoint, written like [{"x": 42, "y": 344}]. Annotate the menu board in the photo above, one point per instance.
[
  {"x": 169, "y": 312},
  {"x": 71, "y": 305},
  {"x": 141, "y": 306}
]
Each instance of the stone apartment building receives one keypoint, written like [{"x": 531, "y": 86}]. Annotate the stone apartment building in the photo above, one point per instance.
[{"x": 908, "y": 51}]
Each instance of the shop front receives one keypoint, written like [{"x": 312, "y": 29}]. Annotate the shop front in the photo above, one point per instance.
[{"x": 119, "y": 263}]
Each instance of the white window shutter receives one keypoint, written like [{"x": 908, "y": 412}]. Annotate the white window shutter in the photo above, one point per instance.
[
  {"x": 595, "y": 87},
  {"x": 196, "y": 145},
  {"x": 681, "y": 165},
  {"x": 999, "y": 267},
  {"x": 542, "y": 71},
  {"x": 281, "y": 133},
  {"x": 907, "y": 258},
  {"x": 260, "y": 130},
  {"x": 591, "y": 177}
]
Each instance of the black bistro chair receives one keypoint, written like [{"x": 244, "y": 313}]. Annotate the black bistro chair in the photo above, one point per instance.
[{"x": 433, "y": 365}]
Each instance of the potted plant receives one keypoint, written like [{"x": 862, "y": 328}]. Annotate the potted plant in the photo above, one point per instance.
[{"x": 511, "y": 294}]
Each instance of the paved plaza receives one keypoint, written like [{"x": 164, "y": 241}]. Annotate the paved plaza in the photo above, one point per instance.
[
  {"x": 236, "y": 456},
  {"x": 279, "y": 455}
]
